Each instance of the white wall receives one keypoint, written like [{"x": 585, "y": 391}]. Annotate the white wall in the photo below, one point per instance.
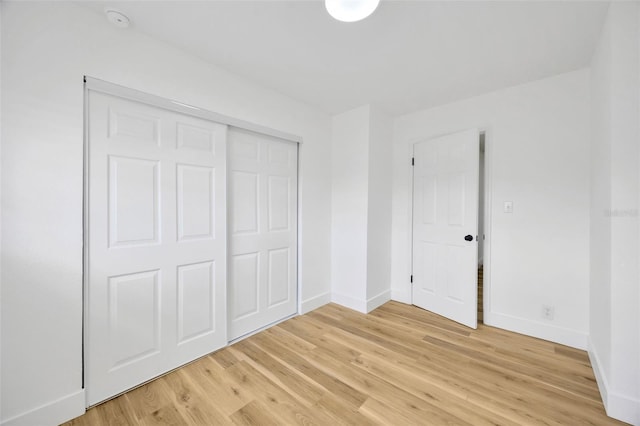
[
  {"x": 379, "y": 223},
  {"x": 361, "y": 208},
  {"x": 47, "y": 47},
  {"x": 614, "y": 329},
  {"x": 538, "y": 157},
  {"x": 600, "y": 227},
  {"x": 349, "y": 207}
]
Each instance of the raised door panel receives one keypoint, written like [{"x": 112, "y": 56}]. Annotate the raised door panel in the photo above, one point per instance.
[
  {"x": 427, "y": 188},
  {"x": 281, "y": 156},
  {"x": 134, "y": 317},
  {"x": 454, "y": 276},
  {"x": 456, "y": 200},
  {"x": 196, "y": 300},
  {"x": 279, "y": 279},
  {"x": 427, "y": 266},
  {"x": 246, "y": 149},
  {"x": 245, "y": 207},
  {"x": 196, "y": 202},
  {"x": 245, "y": 286},
  {"x": 279, "y": 200},
  {"x": 130, "y": 123},
  {"x": 200, "y": 139},
  {"x": 133, "y": 201}
]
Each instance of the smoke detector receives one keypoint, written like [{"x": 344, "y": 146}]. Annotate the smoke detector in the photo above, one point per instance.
[{"x": 117, "y": 18}]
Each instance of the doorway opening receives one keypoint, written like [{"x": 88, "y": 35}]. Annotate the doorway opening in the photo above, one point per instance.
[{"x": 481, "y": 227}]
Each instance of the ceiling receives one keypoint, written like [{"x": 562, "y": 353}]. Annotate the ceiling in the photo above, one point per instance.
[{"x": 407, "y": 56}]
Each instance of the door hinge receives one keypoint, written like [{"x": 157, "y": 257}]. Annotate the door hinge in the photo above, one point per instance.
[
  {"x": 411, "y": 279},
  {"x": 413, "y": 161}
]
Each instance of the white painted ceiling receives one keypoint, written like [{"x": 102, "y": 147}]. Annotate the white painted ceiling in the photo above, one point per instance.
[{"x": 407, "y": 56}]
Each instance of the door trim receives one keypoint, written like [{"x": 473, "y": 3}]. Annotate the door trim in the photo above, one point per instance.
[{"x": 183, "y": 108}]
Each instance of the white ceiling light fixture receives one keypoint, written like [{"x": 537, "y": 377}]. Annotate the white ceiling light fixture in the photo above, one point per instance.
[
  {"x": 117, "y": 18},
  {"x": 350, "y": 10}
]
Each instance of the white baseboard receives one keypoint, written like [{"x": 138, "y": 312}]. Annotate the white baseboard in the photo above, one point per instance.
[
  {"x": 53, "y": 413},
  {"x": 623, "y": 408},
  {"x": 378, "y": 300},
  {"x": 364, "y": 306},
  {"x": 618, "y": 406},
  {"x": 349, "y": 302},
  {"x": 564, "y": 336},
  {"x": 401, "y": 295},
  {"x": 314, "y": 302},
  {"x": 601, "y": 378}
]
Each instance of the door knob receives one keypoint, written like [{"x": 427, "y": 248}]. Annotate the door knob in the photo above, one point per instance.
[{"x": 468, "y": 238}]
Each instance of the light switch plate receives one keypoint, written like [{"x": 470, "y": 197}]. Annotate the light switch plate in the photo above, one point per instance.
[{"x": 508, "y": 206}]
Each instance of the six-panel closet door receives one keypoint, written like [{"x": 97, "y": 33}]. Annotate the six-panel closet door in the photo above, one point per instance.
[
  {"x": 262, "y": 231},
  {"x": 156, "y": 242},
  {"x": 190, "y": 238}
]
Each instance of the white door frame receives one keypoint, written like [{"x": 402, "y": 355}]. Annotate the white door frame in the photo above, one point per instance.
[
  {"x": 113, "y": 89},
  {"x": 488, "y": 157}
]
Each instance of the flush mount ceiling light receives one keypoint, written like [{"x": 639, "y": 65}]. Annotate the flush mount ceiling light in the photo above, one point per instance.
[
  {"x": 350, "y": 10},
  {"x": 118, "y": 19}
]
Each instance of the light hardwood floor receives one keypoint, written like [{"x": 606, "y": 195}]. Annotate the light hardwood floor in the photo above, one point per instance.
[{"x": 399, "y": 365}]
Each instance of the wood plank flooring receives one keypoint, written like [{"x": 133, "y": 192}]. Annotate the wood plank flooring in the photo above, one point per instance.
[{"x": 399, "y": 365}]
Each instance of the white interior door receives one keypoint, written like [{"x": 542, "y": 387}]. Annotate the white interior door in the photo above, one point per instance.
[
  {"x": 445, "y": 226},
  {"x": 156, "y": 217},
  {"x": 263, "y": 231}
]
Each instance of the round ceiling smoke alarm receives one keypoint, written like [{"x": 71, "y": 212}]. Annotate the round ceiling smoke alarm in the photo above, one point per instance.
[{"x": 118, "y": 19}]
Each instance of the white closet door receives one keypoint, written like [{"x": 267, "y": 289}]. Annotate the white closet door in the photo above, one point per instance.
[
  {"x": 156, "y": 291},
  {"x": 262, "y": 231}
]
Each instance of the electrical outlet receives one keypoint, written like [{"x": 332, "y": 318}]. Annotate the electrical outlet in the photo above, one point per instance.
[{"x": 548, "y": 312}]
